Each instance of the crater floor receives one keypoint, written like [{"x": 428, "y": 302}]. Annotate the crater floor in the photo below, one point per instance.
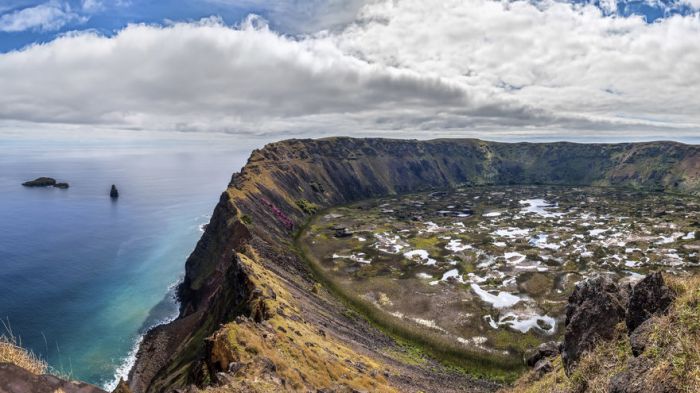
[{"x": 490, "y": 268}]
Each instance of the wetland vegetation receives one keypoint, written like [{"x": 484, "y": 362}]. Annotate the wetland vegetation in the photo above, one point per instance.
[{"x": 485, "y": 272}]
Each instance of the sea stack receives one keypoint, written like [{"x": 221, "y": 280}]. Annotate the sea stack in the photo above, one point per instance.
[{"x": 114, "y": 193}]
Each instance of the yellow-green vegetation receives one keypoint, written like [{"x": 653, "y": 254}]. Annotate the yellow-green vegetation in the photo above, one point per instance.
[
  {"x": 425, "y": 243},
  {"x": 11, "y": 352},
  {"x": 674, "y": 343},
  {"x": 284, "y": 349},
  {"x": 306, "y": 206},
  {"x": 673, "y": 348}
]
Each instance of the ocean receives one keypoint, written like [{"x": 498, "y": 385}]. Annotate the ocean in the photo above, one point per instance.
[{"x": 81, "y": 276}]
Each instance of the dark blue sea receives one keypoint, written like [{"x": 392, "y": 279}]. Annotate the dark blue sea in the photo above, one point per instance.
[{"x": 82, "y": 276}]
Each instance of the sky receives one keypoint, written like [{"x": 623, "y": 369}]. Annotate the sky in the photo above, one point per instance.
[{"x": 504, "y": 70}]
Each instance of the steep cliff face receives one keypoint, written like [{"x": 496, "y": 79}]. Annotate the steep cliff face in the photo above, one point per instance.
[{"x": 250, "y": 320}]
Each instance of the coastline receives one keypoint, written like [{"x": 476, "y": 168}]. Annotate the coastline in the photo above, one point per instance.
[{"x": 128, "y": 362}]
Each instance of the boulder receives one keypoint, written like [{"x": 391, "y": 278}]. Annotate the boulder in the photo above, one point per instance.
[
  {"x": 61, "y": 185},
  {"x": 631, "y": 380},
  {"x": 114, "y": 193},
  {"x": 639, "y": 338},
  {"x": 649, "y": 297},
  {"x": 638, "y": 377},
  {"x": 40, "y": 182},
  {"x": 543, "y": 351},
  {"x": 543, "y": 367},
  {"x": 595, "y": 307}
]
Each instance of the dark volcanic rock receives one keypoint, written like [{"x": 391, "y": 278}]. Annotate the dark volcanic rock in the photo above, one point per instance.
[
  {"x": 114, "y": 193},
  {"x": 61, "y": 185},
  {"x": 40, "y": 182},
  {"x": 639, "y": 338},
  {"x": 649, "y": 297},
  {"x": 631, "y": 380},
  {"x": 543, "y": 367},
  {"x": 14, "y": 379},
  {"x": 595, "y": 307},
  {"x": 545, "y": 350},
  {"x": 635, "y": 379}
]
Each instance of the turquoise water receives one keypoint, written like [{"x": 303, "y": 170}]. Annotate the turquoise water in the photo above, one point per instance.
[{"x": 81, "y": 276}]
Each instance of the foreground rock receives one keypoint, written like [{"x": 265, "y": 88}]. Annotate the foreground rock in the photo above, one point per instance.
[
  {"x": 595, "y": 308},
  {"x": 658, "y": 356},
  {"x": 14, "y": 379},
  {"x": 649, "y": 297},
  {"x": 543, "y": 351}
]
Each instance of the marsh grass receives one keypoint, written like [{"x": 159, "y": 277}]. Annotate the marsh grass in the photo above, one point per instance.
[{"x": 415, "y": 340}]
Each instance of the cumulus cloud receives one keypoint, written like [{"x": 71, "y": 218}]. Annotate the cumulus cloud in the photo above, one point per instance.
[
  {"x": 447, "y": 66},
  {"x": 49, "y": 16}
]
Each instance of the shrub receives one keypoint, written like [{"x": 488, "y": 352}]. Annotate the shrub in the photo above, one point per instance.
[{"x": 307, "y": 207}]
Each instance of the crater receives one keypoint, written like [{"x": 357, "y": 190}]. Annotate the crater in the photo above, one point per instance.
[{"x": 489, "y": 269}]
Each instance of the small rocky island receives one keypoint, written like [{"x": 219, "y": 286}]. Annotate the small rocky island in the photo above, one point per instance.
[
  {"x": 45, "y": 182},
  {"x": 114, "y": 193}
]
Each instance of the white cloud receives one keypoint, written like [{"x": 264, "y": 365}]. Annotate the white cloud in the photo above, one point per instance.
[
  {"x": 94, "y": 6},
  {"x": 49, "y": 16},
  {"x": 404, "y": 66}
]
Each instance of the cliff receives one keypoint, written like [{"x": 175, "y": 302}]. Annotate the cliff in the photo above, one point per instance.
[{"x": 252, "y": 318}]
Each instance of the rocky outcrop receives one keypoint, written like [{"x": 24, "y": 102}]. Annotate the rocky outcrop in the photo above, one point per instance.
[
  {"x": 543, "y": 351},
  {"x": 40, "y": 182},
  {"x": 662, "y": 346},
  {"x": 595, "y": 307},
  {"x": 113, "y": 192},
  {"x": 251, "y": 235},
  {"x": 45, "y": 182},
  {"x": 639, "y": 337},
  {"x": 649, "y": 297},
  {"x": 14, "y": 379}
]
